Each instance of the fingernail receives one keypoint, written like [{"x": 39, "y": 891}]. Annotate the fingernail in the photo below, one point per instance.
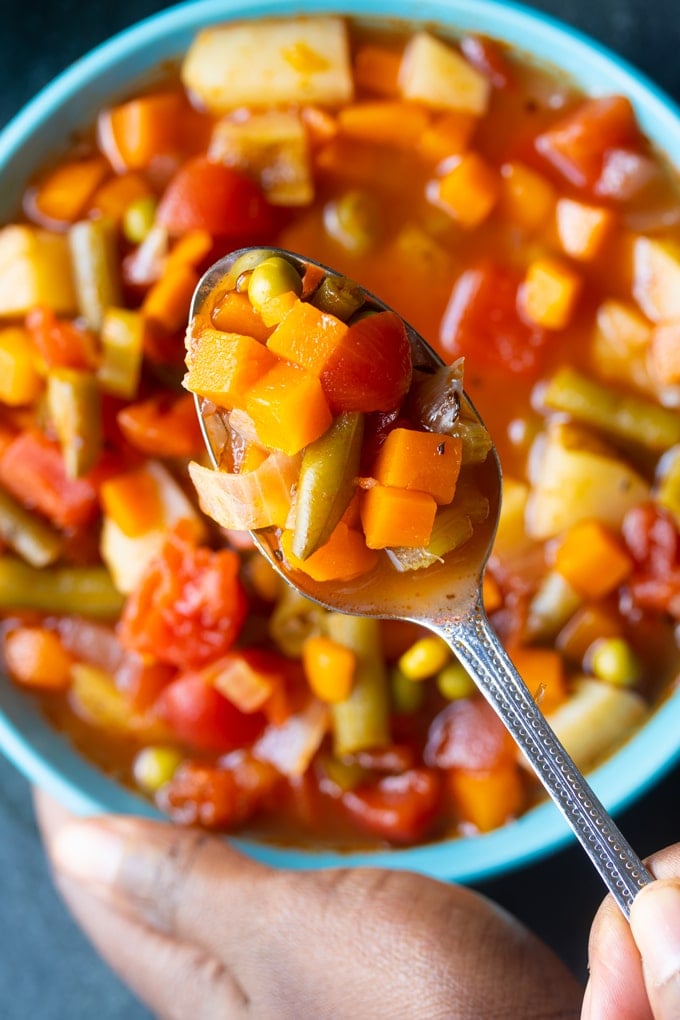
[
  {"x": 655, "y": 923},
  {"x": 88, "y": 851}
]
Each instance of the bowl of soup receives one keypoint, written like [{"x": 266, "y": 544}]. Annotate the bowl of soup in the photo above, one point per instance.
[{"x": 511, "y": 190}]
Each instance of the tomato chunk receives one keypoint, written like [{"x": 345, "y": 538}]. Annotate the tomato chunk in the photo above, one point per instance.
[
  {"x": 400, "y": 809},
  {"x": 208, "y": 196},
  {"x": 217, "y": 797},
  {"x": 482, "y": 321},
  {"x": 163, "y": 425},
  {"x": 467, "y": 734},
  {"x": 370, "y": 370},
  {"x": 189, "y": 607},
  {"x": 653, "y": 538},
  {"x": 203, "y": 718}
]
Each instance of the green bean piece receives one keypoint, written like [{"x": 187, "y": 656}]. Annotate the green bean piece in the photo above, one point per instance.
[
  {"x": 338, "y": 296},
  {"x": 346, "y": 775},
  {"x": 477, "y": 442},
  {"x": 29, "y": 536},
  {"x": 138, "y": 218},
  {"x": 326, "y": 484},
  {"x": 668, "y": 486},
  {"x": 407, "y": 695},
  {"x": 87, "y": 591},
  {"x": 618, "y": 414},
  {"x": 74, "y": 409},
  {"x": 361, "y": 721},
  {"x": 271, "y": 278},
  {"x": 122, "y": 339},
  {"x": 95, "y": 269}
]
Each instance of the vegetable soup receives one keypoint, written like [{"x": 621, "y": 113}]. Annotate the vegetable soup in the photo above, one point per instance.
[{"x": 532, "y": 235}]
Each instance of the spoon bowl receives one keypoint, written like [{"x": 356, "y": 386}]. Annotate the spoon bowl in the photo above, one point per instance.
[{"x": 446, "y": 598}]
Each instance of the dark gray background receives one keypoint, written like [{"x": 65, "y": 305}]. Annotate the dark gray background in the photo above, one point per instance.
[{"x": 47, "y": 969}]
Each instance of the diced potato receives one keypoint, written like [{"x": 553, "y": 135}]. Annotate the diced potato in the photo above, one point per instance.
[
  {"x": 656, "y": 278},
  {"x": 273, "y": 62},
  {"x": 664, "y": 353},
  {"x": 20, "y": 381},
  {"x": 94, "y": 696},
  {"x": 511, "y": 538},
  {"x": 527, "y": 198},
  {"x": 437, "y": 75},
  {"x": 582, "y": 229},
  {"x": 272, "y": 147},
  {"x": 620, "y": 344},
  {"x": 595, "y": 719},
  {"x": 35, "y": 269},
  {"x": 549, "y": 293},
  {"x": 128, "y": 557},
  {"x": 574, "y": 480}
]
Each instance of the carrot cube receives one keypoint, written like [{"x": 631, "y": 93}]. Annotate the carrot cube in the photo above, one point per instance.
[
  {"x": 549, "y": 293},
  {"x": 448, "y": 135},
  {"x": 377, "y": 70},
  {"x": 329, "y": 667},
  {"x": 583, "y": 229},
  {"x": 344, "y": 556},
  {"x": 64, "y": 195},
  {"x": 307, "y": 337},
  {"x": 487, "y": 799},
  {"x": 115, "y": 195},
  {"x": 133, "y": 501},
  {"x": 592, "y": 559},
  {"x": 35, "y": 656},
  {"x": 223, "y": 366},
  {"x": 169, "y": 299},
  {"x": 288, "y": 408},
  {"x": 527, "y": 198},
  {"x": 394, "y": 517},
  {"x": 542, "y": 670},
  {"x": 20, "y": 381},
  {"x": 468, "y": 191},
  {"x": 384, "y": 122},
  {"x": 426, "y": 461},
  {"x": 133, "y": 133},
  {"x": 665, "y": 352},
  {"x": 234, "y": 313}
]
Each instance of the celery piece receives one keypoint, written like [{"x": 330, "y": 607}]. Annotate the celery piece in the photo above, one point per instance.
[
  {"x": 29, "y": 536},
  {"x": 122, "y": 336},
  {"x": 361, "y": 721},
  {"x": 326, "y": 483},
  {"x": 74, "y": 409},
  {"x": 88, "y": 591},
  {"x": 553, "y": 603},
  {"x": 618, "y": 414},
  {"x": 95, "y": 269}
]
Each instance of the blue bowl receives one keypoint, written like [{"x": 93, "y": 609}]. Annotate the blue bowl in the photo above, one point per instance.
[{"x": 70, "y": 102}]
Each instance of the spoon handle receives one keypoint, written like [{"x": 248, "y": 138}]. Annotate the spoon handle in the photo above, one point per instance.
[{"x": 483, "y": 656}]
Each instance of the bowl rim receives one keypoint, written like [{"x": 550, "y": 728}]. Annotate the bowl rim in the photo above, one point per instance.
[{"x": 40, "y": 752}]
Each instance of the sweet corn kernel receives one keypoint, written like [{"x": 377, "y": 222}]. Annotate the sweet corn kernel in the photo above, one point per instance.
[
  {"x": 424, "y": 658},
  {"x": 155, "y": 766},
  {"x": 453, "y": 682},
  {"x": 613, "y": 661}
]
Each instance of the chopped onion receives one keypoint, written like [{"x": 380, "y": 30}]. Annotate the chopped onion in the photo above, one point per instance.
[
  {"x": 435, "y": 399},
  {"x": 291, "y": 747},
  {"x": 248, "y": 501}
]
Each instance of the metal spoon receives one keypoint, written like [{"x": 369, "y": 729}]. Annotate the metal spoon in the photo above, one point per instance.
[{"x": 446, "y": 598}]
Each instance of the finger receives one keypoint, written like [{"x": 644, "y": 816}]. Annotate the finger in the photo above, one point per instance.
[
  {"x": 616, "y": 985},
  {"x": 655, "y": 925}
]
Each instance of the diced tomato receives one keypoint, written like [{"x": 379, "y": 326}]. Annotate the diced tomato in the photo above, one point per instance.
[
  {"x": 217, "y": 797},
  {"x": 401, "y": 809},
  {"x": 208, "y": 196},
  {"x": 482, "y": 321},
  {"x": 32, "y": 469},
  {"x": 577, "y": 145},
  {"x": 488, "y": 57},
  {"x": 59, "y": 343},
  {"x": 653, "y": 538},
  {"x": 370, "y": 370},
  {"x": 467, "y": 734},
  {"x": 189, "y": 607},
  {"x": 165, "y": 425},
  {"x": 143, "y": 680},
  {"x": 203, "y": 718}
]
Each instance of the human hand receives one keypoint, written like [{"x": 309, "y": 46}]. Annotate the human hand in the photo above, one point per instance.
[
  {"x": 199, "y": 931},
  {"x": 635, "y": 969}
]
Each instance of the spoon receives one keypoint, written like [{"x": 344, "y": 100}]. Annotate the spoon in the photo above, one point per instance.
[{"x": 446, "y": 598}]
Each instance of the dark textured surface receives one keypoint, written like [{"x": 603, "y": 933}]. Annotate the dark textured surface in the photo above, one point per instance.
[{"x": 47, "y": 969}]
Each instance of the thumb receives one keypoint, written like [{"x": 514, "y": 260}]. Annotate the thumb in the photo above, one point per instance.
[{"x": 655, "y": 925}]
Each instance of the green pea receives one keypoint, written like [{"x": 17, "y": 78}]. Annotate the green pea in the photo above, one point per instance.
[
  {"x": 154, "y": 766},
  {"x": 355, "y": 220},
  {"x": 453, "y": 682},
  {"x": 138, "y": 218},
  {"x": 613, "y": 661},
  {"x": 240, "y": 272},
  {"x": 271, "y": 278}
]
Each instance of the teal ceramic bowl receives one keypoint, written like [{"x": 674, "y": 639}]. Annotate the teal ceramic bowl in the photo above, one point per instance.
[{"x": 109, "y": 72}]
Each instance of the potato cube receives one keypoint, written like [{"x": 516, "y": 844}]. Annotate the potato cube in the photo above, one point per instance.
[
  {"x": 583, "y": 229},
  {"x": 272, "y": 62},
  {"x": 549, "y": 292},
  {"x": 436, "y": 74},
  {"x": 468, "y": 190},
  {"x": 20, "y": 382},
  {"x": 35, "y": 269},
  {"x": 272, "y": 147},
  {"x": 656, "y": 278}
]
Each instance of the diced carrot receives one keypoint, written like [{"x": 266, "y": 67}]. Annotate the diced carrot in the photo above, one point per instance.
[
  {"x": 276, "y": 308},
  {"x": 61, "y": 344},
  {"x": 586, "y": 625},
  {"x": 665, "y": 352},
  {"x": 527, "y": 198},
  {"x": 343, "y": 557},
  {"x": 376, "y": 69},
  {"x": 132, "y": 134},
  {"x": 133, "y": 502},
  {"x": 592, "y": 559},
  {"x": 288, "y": 407},
  {"x": 448, "y": 135},
  {"x": 164, "y": 425},
  {"x": 583, "y": 229},
  {"x": 223, "y": 366},
  {"x": 487, "y": 799},
  {"x": 307, "y": 337},
  {"x": 234, "y": 314},
  {"x": 253, "y": 457},
  {"x": 321, "y": 125},
  {"x": 549, "y": 293},
  {"x": 20, "y": 381},
  {"x": 384, "y": 122},
  {"x": 65, "y": 193},
  {"x": 32, "y": 469},
  {"x": 397, "y": 517},
  {"x": 491, "y": 593},
  {"x": 190, "y": 249},
  {"x": 468, "y": 190},
  {"x": 115, "y": 195},
  {"x": 168, "y": 301},
  {"x": 35, "y": 656},
  {"x": 542, "y": 670},
  {"x": 427, "y": 461},
  {"x": 329, "y": 667}
]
